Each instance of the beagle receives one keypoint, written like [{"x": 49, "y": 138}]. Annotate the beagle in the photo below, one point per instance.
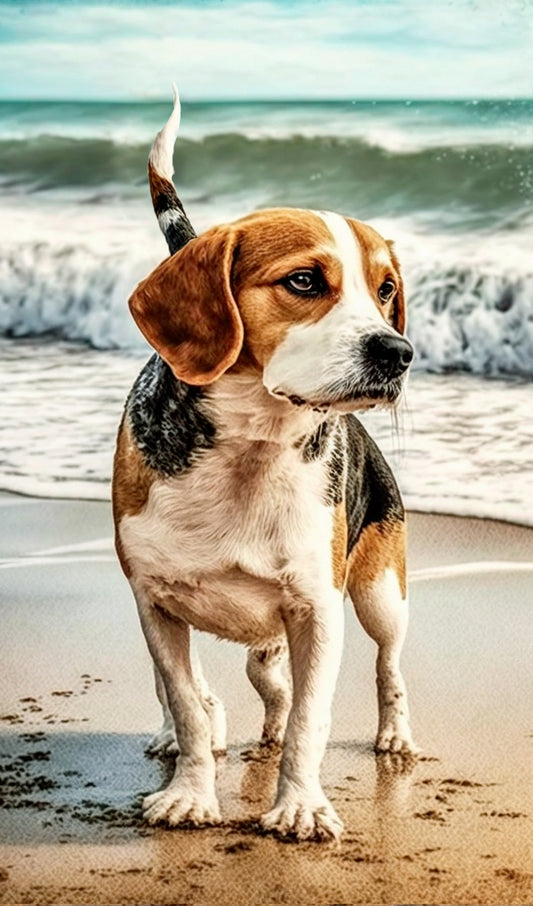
[{"x": 248, "y": 500}]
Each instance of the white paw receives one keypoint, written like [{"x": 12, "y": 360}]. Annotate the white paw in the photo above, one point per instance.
[
  {"x": 179, "y": 804},
  {"x": 303, "y": 818},
  {"x": 395, "y": 736},
  {"x": 163, "y": 743}
]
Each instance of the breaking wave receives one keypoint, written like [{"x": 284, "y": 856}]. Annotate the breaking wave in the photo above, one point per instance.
[{"x": 486, "y": 180}]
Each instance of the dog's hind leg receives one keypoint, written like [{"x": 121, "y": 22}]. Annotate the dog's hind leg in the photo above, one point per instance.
[
  {"x": 164, "y": 742},
  {"x": 212, "y": 705},
  {"x": 377, "y": 586},
  {"x": 190, "y": 795},
  {"x": 264, "y": 668}
]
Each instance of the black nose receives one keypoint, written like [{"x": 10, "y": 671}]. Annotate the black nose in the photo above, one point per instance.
[{"x": 393, "y": 354}]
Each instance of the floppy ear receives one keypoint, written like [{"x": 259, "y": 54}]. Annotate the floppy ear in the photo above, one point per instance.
[
  {"x": 186, "y": 309},
  {"x": 399, "y": 314}
]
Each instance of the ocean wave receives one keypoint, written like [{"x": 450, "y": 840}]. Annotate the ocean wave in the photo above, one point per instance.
[
  {"x": 472, "y": 318},
  {"x": 393, "y": 125},
  {"x": 320, "y": 171},
  {"x": 71, "y": 293},
  {"x": 463, "y": 316}
]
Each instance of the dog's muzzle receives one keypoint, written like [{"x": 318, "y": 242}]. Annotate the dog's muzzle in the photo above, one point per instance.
[{"x": 372, "y": 374}]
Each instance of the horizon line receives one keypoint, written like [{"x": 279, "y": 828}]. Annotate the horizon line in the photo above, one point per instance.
[{"x": 270, "y": 100}]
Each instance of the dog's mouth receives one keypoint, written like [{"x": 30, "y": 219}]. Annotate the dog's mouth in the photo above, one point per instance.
[
  {"x": 370, "y": 396},
  {"x": 315, "y": 405},
  {"x": 347, "y": 399},
  {"x": 300, "y": 403}
]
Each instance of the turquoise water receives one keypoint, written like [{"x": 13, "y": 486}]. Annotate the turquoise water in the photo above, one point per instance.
[{"x": 465, "y": 163}]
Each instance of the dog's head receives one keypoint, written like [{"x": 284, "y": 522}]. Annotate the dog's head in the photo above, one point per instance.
[{"x": 312, "y": 302}]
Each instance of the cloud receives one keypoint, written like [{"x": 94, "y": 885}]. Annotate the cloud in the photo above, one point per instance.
[{"x": 264, "y": 49}]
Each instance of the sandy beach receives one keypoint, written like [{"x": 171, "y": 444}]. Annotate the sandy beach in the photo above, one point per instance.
[{"x": 78, "y": 706}]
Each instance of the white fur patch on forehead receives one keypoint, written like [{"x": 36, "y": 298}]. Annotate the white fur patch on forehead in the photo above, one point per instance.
[
  {"x": 382, "y": 256},
  {"x": 347, "y": 248}
]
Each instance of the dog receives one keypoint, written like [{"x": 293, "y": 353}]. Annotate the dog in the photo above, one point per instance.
[{"x": 248, "y": 500}]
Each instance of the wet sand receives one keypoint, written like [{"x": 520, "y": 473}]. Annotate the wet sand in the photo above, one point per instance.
[{"x": 78, "y": 707}]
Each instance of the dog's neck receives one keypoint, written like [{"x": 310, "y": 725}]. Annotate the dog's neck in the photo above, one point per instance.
[{"x": 244, "y": 410}]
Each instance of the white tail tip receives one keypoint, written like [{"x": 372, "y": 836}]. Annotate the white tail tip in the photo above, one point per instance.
[{"x": 163, "y": 146}]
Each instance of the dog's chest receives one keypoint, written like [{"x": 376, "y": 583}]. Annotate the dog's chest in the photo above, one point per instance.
[
  {"x": 249, "y": 505},
  {"x": 215, "y": 546}
]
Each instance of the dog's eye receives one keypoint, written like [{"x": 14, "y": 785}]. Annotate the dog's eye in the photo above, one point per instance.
[
  {"x": 386, "y": 290},
  {"x": 309, "y": 282}
]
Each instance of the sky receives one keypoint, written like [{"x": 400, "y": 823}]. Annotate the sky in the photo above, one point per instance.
[{"x": 238, "y": 49}]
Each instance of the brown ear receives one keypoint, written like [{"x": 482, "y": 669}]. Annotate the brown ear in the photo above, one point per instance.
[
  {"x": 399, "y": 313},
  {"x": 186, "y": 309}
]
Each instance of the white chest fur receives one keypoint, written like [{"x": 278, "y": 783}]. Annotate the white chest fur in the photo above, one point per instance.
[{"x": 219, "y": 545}]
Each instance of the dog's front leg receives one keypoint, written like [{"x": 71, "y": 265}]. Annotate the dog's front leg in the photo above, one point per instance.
[
  {"x": 190, "y": 795},
  {"x": 315, "y": 633}
]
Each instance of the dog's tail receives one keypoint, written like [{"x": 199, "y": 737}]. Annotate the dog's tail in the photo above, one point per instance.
[{"x": 170, "y": 213}]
